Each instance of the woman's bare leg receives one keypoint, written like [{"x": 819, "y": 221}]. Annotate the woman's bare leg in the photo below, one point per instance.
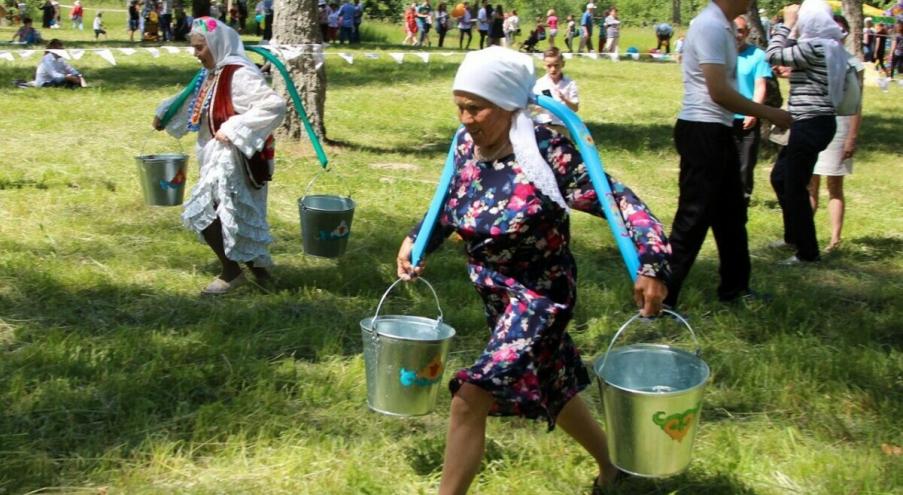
[
  {"x": 578, "y": 422},
  {"x": 214, "y": 237},
  {"x": 814, "y": 183},
  {"x": 835, "y": 208},
  {"x": 465, "y": 440}
]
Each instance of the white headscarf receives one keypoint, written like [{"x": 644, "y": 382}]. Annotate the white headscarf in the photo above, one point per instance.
[
  {"x": 506, "y": 78},
  {"x": 224, "y": 42},
  {"x": 816, "y": 22}
]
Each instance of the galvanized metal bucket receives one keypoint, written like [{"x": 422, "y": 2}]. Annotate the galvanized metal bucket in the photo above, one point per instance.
[
  {"x": 325, "y": 223},
  {"x": 652, "y": 400},
  {"x": 405, "y": 357},
  {"x": 162, "y": 178}
]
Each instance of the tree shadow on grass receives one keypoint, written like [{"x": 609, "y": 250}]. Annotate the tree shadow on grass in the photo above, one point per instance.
[
  {"x": 632, "y": 137},
  {"x": 717, "y": 484},
  {"x": 94, "y": 365}
]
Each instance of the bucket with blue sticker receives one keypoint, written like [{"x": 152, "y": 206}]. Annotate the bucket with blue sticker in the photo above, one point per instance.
[
  {"x": 162, "y": 178},
  {"x": 325, "y": 223},
  {"x": 405, "y": 358}
]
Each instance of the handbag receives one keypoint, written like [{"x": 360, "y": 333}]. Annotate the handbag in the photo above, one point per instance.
[{"x": 852, "y": 93}]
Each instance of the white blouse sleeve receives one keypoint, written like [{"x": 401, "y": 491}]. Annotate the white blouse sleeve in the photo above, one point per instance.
[
  {"x": 178, "y": 125},
  {"x": 260, "y": 111}
]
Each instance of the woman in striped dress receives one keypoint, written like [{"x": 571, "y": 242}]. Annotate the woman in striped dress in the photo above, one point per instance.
[{"x": 818, "y": 63}]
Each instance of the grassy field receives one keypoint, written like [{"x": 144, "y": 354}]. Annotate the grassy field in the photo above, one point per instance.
[{"x": 116, "y": 377}]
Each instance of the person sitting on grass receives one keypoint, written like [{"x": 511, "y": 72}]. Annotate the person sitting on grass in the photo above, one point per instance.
[
  {"x": 27, "y": 34},
  {"x": 54, "y": 71},
  {"x": 234, "y": 113},
  {"x": 511, "y": 197}
]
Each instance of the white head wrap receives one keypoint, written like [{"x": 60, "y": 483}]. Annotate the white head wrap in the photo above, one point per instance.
[
  {"x": 224, "y": 42},
  {"x": 506, "y": 78},
  {"x": 816, "y": 22}
]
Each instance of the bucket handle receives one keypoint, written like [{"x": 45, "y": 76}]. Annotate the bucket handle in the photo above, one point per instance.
[
  {"x": 147, "y": 138},
  {"x": 638, "y": 316},
  {"x": 314, "y": 179},
  {"x": 385, "y": 294}
]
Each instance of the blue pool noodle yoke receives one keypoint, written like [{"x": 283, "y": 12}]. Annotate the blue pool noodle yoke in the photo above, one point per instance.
[{"x": 585, "y": 144}]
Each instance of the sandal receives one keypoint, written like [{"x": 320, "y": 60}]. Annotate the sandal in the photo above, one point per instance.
[
  {"x": 219, "y": 286},
  {"x": 601, "y": 488}
]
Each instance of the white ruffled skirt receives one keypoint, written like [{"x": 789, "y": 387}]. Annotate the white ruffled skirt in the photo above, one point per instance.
[{"x": 223, "y": 192}]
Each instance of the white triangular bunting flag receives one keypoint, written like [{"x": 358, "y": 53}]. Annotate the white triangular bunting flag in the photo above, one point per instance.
[
  {"x": 635, "y": 56},
  {"x": 346, "y": 57},
  {"x": 76, "y": 53},
  {"x": 614, "y": 57},
  {"x": 61, "y": 53},
  {"x": 568, "y": 55},
  {"x": 425, "y": 57},
  {"x": 398, "y": 57},
  {"x": 371, "y": 56},
  {"x": 292, "y": 53},
  {"x": 189, "y": 50},
  {"x": 127, "y": 51},
  {"x": 593, "y": 55},
  {"x": 153, "y": 51},
  {"x": 171, "y": 49},
  {"x": 26, "y": 53},
  {"x": 107, "y": 55},
  {"x": 7, "y": 56}
]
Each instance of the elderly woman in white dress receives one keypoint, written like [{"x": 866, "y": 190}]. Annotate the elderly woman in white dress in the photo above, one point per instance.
[{"x": 234, "y": 113}]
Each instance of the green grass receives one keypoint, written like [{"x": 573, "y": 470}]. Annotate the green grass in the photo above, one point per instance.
[{"x": 114, "y": 374}]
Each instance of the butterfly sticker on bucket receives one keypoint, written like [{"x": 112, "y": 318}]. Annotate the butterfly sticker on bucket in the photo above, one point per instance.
[
  {"x": 676, "y": 425},
  {"x": 426, "y": 376},
  {"x": 339, "y": 232},
  {"x": 175, "y": 183}
]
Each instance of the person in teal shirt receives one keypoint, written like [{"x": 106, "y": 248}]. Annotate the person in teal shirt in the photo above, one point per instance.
[{"x": 752, "y": 69}]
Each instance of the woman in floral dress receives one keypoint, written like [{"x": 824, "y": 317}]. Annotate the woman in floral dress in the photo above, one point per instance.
[{"x": 510, "y": 200}]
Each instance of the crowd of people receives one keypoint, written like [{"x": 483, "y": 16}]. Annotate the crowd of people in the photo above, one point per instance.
[
  {"x": 341, "y": 23},
  {"x": 496, "y": 26}
]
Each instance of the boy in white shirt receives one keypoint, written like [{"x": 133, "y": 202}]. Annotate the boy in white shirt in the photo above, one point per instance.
[{"x": 556, "y": 85}]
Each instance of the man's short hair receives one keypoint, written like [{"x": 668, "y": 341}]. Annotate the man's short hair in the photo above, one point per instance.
[
  {"x": 55, "y": 44},
  {"x": 552, "y": 52}
]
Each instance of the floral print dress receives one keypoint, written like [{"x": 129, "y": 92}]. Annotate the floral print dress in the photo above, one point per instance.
[{"x": 517, "y": 242}]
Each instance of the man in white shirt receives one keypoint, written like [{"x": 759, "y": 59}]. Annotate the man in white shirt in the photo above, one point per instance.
[
  {"x": 54, "y": 71},
  {"x": 711, "y": 193},
  {"x": 556, "y": 85}
]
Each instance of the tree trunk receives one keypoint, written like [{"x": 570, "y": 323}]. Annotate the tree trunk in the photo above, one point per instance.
[
  {"x": 757, "y": 34},
  {"x": 296, "y": 22},
  {"x": 852, "y": 10},
  {"x": 675, "y": 12}
]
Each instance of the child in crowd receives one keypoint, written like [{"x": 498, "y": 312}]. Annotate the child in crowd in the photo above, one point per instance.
[
  {"x": 572, "y": 32},
  {"x": 27, "y": 34},
  {"x": 556, "y": 85},
  {"x": 98, "y": 26}
]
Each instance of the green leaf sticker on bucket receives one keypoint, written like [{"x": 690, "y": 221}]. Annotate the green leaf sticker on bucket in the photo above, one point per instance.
[{"x": 676, "y": 425}]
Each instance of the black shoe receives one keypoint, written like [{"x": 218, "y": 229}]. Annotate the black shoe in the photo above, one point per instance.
[{"x": 748, "y": 296}]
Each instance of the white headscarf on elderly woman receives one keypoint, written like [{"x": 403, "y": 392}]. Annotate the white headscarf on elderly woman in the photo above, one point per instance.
[
  {"x": 224, "y": 43},
  {"x": 506, "y": 78},
  {"x": 816, "y": 22}
]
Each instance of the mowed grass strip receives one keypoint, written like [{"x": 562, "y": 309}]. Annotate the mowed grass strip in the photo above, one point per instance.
[{"x": 116, "y": 374}]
